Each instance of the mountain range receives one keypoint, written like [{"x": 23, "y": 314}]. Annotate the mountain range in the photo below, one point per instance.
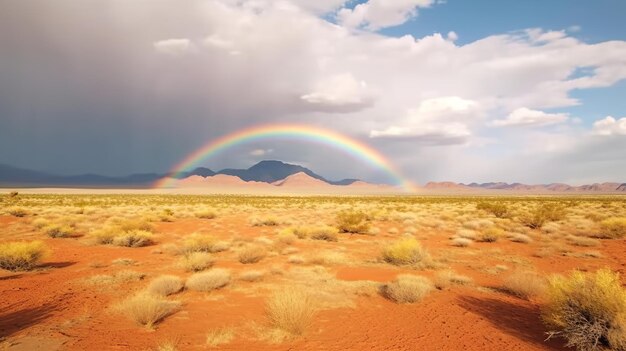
[
  {"x": 268, "y": 171},
  {"x": 553, "y": 187}
]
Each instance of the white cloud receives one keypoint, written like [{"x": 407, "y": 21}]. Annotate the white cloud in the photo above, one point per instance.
[
  {"x": 610, "y": 126},
  {"x": 377, "y": 14},
  {"x": 261, "y": 152},
  {"x": 173, "y": 46},
  {"x": 530, "y": 118},
  {"x": 342, "y": 90},
  {"x": 436, "y": 121}
]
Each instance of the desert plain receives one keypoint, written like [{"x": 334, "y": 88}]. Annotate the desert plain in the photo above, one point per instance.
[{"x": 241, "y": 272}]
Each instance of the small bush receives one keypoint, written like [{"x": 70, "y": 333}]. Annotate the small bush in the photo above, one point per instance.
[
  {"x": 490, "y": 235},
  {"x": 199, "y": 243},
  {"x": 133, "y": 238},
  {"x": 581, "y": 241},
  {"x": 353, "y": 222},
  {"x": 613, "y": 228},
  {"x": 323, "y": 233},
  {"x": 588, "y": 310},
  {"x": 59, "y": 231},
  {"x": 165, "y": 285},
  {"x": 497, "y": 209},
  {"x": 407, "y": 288},
  {"x": 447, "y": 278},
  {"x": 207, "y": 281},
  {"x": 206, "y": 214},
  {"x": 405, "y": 252},
  {"x": 252, "y": 254},
  {"x": 526, "y": 285},
  {"x": 268, "y": 221},
  {"x": 546, "y": 212},
  {"x": 520, "y": 238},
  {"x": 17, "y": 212},
  {"x": 286, "y": 237},
  {"x": 196, "y": 261},
  {"x": 461, "y": 242},
  {"x": 146, "y": 309},
  {"x": 21, "y": 255},
  {"x": 291, "y": 310}
]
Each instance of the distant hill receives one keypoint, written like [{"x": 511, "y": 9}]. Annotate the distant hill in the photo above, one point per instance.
[{"x": 544, "y": 188}]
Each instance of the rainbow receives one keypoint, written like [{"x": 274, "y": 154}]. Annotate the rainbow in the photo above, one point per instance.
[{"x": 351, "y": 146}]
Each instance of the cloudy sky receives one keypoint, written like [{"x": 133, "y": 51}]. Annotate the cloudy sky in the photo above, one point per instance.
[{"x": 519, "y": 91}]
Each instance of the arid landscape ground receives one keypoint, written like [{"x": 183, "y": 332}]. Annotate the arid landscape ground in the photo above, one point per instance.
[{"x": 191, "y": 272}]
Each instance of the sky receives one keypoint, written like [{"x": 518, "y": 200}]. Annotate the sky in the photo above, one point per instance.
[{"x": 456, "y": 90}]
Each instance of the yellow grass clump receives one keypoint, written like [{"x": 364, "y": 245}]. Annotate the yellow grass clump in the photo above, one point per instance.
[
  {"x": 133, "y": 238},
  {"x": 146, "y": 309},
  {"x": 196, "y": 261},
  {"x": 407, "y": 288},
  {"x": 21, "y": 255},
  {"x": 405, "y": 252},
  {"x": 165, "y": 285},
  {"x": 252, "y": 254},
  {"x": 323, "y": 233},
  {"x": 199, "y": 243},
  {"x": 219, "y": 336},
  {"x": 588, "y": 310},
  {"x": 59, "y": 231},
  {"x": 290, "y": 310},
  {"x": 207, "y": 281},
  {"x": 525, "y": 284}
]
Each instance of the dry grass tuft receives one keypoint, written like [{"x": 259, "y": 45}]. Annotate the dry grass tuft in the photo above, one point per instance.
[
  {"x": 582, "y": 241},
  {"x": 207, "y": 281},
  {"x": 323, "y": 233},
  {"x": 252, "y": 254},
  {"x": 165, "y": 285},
  {"x": 520, "y": 238},
  {"x": 407, "y": 288},
  {"x": 490, "y": 235},
  {"x": 526, "y": 285},
  {"x": 146, "y": 309},
  {"x": 588, "y": 310},
  {"x": 196, "y": 261},
  {"x": 21, "y": 255},
  {"x": 133, "y": 238},
  {"x": 17, "y": 212},
  {"x": 199, "y": 243},
  {"x": 59, "y": 231},
  {"x": 405, "y": 252},
  {"x": 290, "y": 310},
  {"x": 461, "y": 242},
  {"x": 252, "y": 276},
  {"x": 267, "y": 221},
  {"x": 219, "y": 336},
  {"x": 448, "y": 278}
]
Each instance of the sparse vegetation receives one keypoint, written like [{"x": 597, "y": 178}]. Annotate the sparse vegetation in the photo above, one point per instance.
[
  {"x": 407, "y": 288},
  {"x": 498, "y": 209},
  {"x": 613, "y": 228},
  {"x": 588, "y": 310},
  {"x": 219, "y": 337},
  {"x": 21, "y": 255},
  {"x": 541, "y": 214}
]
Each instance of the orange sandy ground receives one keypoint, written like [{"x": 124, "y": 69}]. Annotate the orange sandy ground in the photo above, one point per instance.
[{"x": 52, "y": 308}]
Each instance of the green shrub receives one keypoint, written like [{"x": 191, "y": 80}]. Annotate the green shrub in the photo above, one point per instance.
[{"x": 543, "y": 213}]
